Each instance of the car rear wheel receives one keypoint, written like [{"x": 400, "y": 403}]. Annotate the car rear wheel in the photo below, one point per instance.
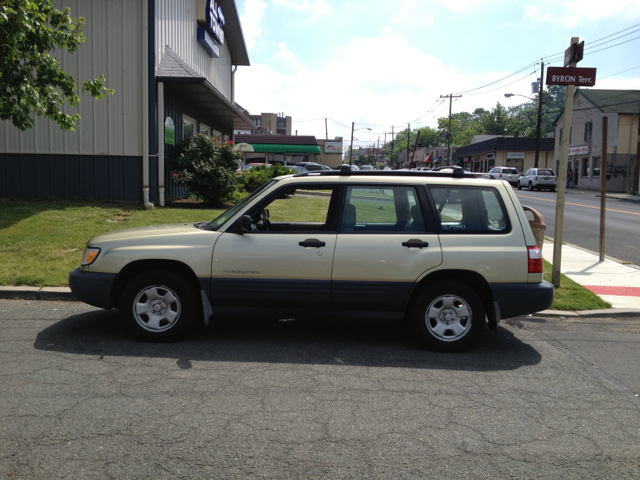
[
  {"x": 519, "y": 185},
  {"x": 159, "y": 306},
  {"x": 448, "y": 316}
]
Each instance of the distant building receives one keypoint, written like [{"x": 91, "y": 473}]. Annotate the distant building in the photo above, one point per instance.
[
  {"x": 516, "y": 152},
  {"x": 585, "y": 156},
  {"x": 286, "y": 149},
  {"x": 268, "y": 124}
]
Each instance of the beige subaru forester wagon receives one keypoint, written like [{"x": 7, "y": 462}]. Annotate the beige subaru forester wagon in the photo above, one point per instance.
[{"x": 447, "y": 251}]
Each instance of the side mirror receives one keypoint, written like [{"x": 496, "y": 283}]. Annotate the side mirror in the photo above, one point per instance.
[{"x": 244, "y": 223}]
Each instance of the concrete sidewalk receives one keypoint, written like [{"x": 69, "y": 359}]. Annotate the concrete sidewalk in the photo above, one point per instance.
[{"x": 614, "y": 282}]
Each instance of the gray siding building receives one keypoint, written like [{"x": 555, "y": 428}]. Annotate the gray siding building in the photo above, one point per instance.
[{"x": 171, "y": 64}]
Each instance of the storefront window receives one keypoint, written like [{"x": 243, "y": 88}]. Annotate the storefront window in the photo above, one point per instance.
[
  {"x": 188, "y": 126},
  {"x": 205, "y": 129},
  {"x": 585, "y": 168},
  {"x": 597, "y": 164}
]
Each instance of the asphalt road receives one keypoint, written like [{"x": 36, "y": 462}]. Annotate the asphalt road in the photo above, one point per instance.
[
  {"x": 324, "y": 399},
  {"x": 582, "y": 221}
]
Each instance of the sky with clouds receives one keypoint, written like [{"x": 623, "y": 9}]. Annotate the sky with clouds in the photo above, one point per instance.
[{"x": 386, "y": 63}]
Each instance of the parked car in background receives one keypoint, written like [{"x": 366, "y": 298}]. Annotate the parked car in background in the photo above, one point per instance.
[
  {"x": 297, "y": 169},
  {"x": 508, "y": 174},
  {"x": 312, "y": 166},
  {"x": 537, "y": 179},
  {"x": 249, "y": 166},
  {"x": 367, "y": 167}
]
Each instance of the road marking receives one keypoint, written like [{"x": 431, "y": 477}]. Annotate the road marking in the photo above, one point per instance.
[{"x": 580, "y": 205}]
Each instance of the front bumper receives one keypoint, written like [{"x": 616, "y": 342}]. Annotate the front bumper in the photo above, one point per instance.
[
  {"x": 93, "y": 288},
  {"x": 517, "y": 299}
]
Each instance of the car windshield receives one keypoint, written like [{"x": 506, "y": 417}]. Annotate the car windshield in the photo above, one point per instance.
[{"x": 222, "y": 219}]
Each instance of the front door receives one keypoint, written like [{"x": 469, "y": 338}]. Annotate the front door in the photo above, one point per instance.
[
  {"x": 576, "y": 172},
  {"x": 285, "y": 261},
  {"x": 384, "y": 245}
]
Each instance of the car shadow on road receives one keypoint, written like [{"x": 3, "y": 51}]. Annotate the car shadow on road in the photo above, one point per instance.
[{"x": 370, "y": 343}]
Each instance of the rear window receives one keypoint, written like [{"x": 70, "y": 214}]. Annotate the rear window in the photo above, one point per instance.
[
  {"x": 546, "y": 172},
  {"x": 470, "y": 210}
]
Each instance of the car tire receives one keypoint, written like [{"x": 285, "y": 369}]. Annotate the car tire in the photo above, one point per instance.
[
  {"x": 448, "y": 316},
  {"x": 519, "y": 185},
  {"x": 531, "y": 186},
  {"x": 159, "y": 306}
]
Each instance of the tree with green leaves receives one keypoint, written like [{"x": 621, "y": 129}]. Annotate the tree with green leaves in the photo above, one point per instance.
[{"x": 31, "y": 80}]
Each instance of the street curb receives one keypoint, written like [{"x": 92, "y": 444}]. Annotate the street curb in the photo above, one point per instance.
[
  {"x": 609, "y": 313},
  {"x": 37, "y": 293}
]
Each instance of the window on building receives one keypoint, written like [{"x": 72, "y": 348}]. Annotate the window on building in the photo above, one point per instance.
[
  {"x": 216, "y": 134},
  {"x": 188, "y": 126},
  {"x": 560, "y": 137},
  {"x": 281, "y": 126},
  {"x": 588, "y": 131},
  {"x": 205, "y": 129},
  {"x": 585, "y": 168},
  {"x": 597, "y": 165}
]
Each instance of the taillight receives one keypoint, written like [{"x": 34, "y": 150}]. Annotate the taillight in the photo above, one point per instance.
[
  {"x": 500, "y": 175},
  {"x": 535, "y": 260}
]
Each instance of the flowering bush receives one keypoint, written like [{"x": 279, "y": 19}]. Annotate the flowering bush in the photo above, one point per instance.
[{"x": 207, "y": 167}]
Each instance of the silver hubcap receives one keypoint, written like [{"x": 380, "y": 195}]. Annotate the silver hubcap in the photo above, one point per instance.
[
  {"x": 156, "y": 308},
  {"x": 448, "y": 318}
]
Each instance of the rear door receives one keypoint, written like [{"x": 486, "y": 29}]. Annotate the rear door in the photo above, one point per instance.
[{"x": 386, "y": 241}]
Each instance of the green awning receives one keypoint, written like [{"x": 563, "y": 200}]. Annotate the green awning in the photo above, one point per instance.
[{"x": 275, "y": 148}]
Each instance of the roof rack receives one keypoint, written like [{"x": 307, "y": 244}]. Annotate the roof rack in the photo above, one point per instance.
[{"x": 454, "y": 172}]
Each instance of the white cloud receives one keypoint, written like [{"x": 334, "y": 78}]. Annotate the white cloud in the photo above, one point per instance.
[
  {"x": 318, "y": 8},
  {"x": 357, "y": 86},
  {"x": 411, "y": 14},
  {"x": 251, "y": 18},
  {"x": 461, "y": 5},
  {"x": 572, "y": 12}
]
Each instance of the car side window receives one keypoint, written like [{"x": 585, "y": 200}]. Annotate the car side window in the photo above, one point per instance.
[
  {"x": 471, "y": 210},
  {"x": 297, "y": 210},
  {"x": 382, "y": 209}
]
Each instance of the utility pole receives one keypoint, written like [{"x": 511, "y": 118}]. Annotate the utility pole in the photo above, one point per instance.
[
  {"x": 450, "y": 97},
  {"x": 326, "y": 130},
  {"x": 393, "y": 148},
  {"x": 378, "y": 152},
  {"x": 603, "y": 183},
  {"x": 351, "y": 147},
  {"x": 408, "y": 138},
  {"x": 539, "y": 123},
  {"x": 636, "y": 173},
  {"x": 562, "y": 179}
]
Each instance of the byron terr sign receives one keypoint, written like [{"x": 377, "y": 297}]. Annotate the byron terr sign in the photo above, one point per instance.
[{"x": 580, "y": 77}]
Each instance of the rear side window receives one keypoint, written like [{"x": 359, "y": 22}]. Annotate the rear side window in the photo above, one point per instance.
[
  {"x": 382, "y": 209},
  {"x": 470, "y": 210}
]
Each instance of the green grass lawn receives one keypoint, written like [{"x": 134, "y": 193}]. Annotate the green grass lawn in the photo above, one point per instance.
[{"x": 42, "y": 241}]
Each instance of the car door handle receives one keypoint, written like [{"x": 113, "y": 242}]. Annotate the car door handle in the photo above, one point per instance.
[
  {"x": 415, "y": 244},
  {"x": 312, "y": 242}
]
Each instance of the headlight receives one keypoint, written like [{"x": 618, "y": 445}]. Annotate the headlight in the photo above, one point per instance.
[{"x": 90, "y": 254}]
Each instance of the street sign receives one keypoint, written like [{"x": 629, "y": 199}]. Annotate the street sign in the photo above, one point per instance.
[
  {"x": 580, "y": 77},
  {"x": 574, "y": 53}
]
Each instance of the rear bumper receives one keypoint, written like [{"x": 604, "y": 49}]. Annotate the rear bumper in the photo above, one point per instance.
[
  {"x": 517, "y": 299},
  {"x": 93, "y": 288}
]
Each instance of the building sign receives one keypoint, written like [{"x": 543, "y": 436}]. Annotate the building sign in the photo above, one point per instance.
[
  {"x": 169, "y": 131},
  {"x": 580, "y": 77},
  {"x": 466, "y": 159},
  {"x": 332, "y": 147},
  {"x": 491, "y": 155},
  {"x": 207, "y": 42},
  {"x": 582, "y": 150},
  {"x": 215, "y": 21},
  {"x": 515, "y": 155}
]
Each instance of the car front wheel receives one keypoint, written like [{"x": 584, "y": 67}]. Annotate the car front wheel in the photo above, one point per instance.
[
  {"x": 159, "y": 306},
  {"x": 448, "y": 316},
  {"x": 531, "y": 186}
]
